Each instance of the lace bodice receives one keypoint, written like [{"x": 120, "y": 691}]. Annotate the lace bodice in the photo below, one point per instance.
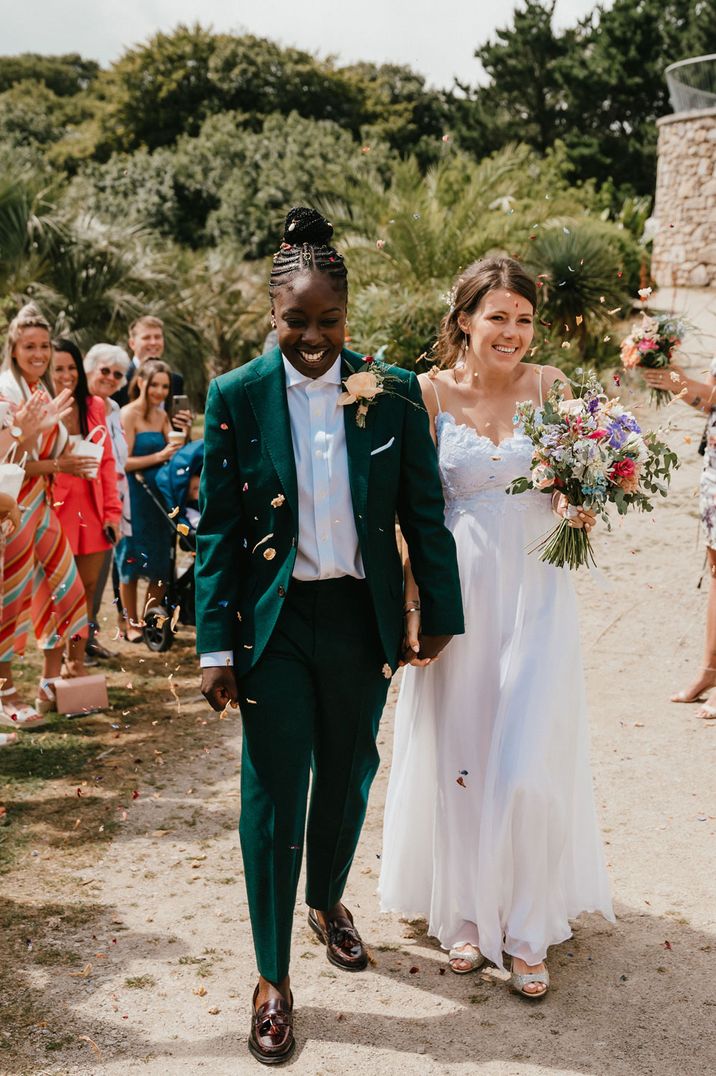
[{"x": 473, "y": 468}]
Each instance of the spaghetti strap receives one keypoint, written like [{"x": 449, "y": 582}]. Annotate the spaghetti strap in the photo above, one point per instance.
[
  {"x": 432, "y": 382},
  {"x": 541, "y": 371}
]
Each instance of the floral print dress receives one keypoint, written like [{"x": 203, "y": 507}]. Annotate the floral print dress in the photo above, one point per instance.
[{"x": 707, "y": 502}]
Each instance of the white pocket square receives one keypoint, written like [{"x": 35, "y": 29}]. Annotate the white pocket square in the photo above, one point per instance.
[{"x": 382, "y": 447}]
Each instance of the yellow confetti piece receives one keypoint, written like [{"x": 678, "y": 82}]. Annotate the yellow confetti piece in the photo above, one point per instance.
[
  {"x": 174, "y": 512},
  {"x": 200, "y": 991},
  {"x": 269, "y": 553},
  {"x": 183, "y": 529},
  {"x": 93, "y": 1044},
  {"x": 84, "y": 974},
  {"x": 175, "y": 618},
  {"x": 579, "y": 319},
  {"x": 278, "y": 501},
  {"x": 172, "y": 688}
]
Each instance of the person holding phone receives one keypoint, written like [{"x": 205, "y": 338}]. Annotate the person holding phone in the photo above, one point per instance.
[{"x": 87, "y": 503}]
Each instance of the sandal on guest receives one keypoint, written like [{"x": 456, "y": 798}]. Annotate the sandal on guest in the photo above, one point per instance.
[
  {"x": 18, "y": 717},
  {"x": 468, "y": 954},
  {"x": 686, "y": 696},
  {"x": 707, "y": 712},
  {"x": 46, "y": 701},
  {"x": 518, "y": 982}
]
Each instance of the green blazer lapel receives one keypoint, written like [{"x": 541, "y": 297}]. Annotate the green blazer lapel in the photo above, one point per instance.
[
  {"x": 358, "y": 446},
  {"x": 267, "y": 394}
]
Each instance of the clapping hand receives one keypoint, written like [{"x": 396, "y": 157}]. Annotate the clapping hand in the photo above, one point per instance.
[{"x": 54, "y": 410}]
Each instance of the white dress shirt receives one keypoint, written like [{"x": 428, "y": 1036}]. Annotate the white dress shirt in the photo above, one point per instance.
[{"x": 328, "y": 545}]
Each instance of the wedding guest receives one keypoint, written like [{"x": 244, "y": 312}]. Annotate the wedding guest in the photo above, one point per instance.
[
  {"x": 88, "y": 507},
  {"x": 106, "y": 367},
  {"x": 9, "y": 522},
  {"x": 700, "y": 395},
  {"x": 490, "y": 829},
  {"x": 146, "y": 552},
  {"x": 41, "y": 581},
  {"x": 146, "y": 341},
  {"x": 298, "y": 597}
]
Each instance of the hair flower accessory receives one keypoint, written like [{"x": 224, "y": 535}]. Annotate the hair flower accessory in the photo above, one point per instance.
[{"x": 362, "y": 388}]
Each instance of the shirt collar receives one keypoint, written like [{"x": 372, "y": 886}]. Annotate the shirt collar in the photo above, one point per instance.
[{"x": 332, "y": 375}]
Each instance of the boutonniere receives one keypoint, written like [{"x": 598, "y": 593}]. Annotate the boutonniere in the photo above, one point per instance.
[{"x": 362, "y": 388}]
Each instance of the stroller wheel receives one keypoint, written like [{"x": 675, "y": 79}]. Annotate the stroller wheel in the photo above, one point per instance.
[{"x": 158, "y": 634}]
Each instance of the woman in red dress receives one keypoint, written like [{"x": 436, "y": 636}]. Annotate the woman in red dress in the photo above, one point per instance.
[{"x": 89, "y": 508}]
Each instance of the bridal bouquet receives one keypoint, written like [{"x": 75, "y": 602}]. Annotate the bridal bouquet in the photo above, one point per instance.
[
  {"x": 651, "y": 344},
  {"x": 592, "y": 450}
]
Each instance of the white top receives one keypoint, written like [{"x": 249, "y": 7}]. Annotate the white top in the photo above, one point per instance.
[{"x": 328, "y": 545}]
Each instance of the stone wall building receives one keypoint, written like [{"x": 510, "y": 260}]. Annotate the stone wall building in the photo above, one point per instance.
[{"x": 684, "y": 254}]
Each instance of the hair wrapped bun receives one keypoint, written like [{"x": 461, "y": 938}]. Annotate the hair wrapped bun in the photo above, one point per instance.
[{"x": 304, "y": 225}]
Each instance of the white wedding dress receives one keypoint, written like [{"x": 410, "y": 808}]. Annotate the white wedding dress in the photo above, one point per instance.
[{"x": 490, "y": 820}]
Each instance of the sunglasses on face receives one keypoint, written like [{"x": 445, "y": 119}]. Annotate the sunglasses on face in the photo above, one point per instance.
[{"x": 106, "y": 372}]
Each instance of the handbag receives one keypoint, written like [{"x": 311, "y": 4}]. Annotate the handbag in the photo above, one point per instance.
[
  {"x": 12, "y": 475},
  {"x": 82, "y": 694}
]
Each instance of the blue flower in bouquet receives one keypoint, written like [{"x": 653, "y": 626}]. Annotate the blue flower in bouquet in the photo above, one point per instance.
[{"x": 620, "y": 427}]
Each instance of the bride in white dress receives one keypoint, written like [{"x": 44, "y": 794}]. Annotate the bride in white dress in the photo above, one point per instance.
[{"x": 490, "y": 830}]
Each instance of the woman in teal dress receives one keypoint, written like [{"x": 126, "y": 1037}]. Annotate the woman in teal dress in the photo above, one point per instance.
[{"x": 146, "y": 552}]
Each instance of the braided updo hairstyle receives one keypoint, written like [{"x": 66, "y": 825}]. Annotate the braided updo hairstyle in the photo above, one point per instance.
[{"x": 306, "y": 247}]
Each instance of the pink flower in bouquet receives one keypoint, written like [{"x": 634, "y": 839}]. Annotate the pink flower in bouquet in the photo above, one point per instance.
[
  {"x": 598, "y": 435},
  {"x": 645, "y": 345},
  {"x": 625, "y": 473}
]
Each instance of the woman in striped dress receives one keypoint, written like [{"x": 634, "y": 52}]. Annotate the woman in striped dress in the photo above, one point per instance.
[{"x": 40, "y": 584}]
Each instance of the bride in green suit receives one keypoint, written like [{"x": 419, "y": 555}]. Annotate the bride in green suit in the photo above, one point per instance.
[{"x": 311, "y": 451}]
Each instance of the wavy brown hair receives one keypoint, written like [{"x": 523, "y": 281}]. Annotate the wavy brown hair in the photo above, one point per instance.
[
  {"x": 468, "y": 291},
  {"x": 147, "y": 372}
]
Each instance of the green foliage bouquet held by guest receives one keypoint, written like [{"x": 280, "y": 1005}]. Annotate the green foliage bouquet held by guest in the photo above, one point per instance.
[
  {"x": 589, "y": 451},
  {"x": 299, "y": 579}
]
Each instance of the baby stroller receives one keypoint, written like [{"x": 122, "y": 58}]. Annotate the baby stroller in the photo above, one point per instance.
[{"x": 173, "y": 481}]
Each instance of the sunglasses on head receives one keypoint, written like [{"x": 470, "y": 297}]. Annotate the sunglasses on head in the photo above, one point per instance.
[{"x": 106, "y": 372}]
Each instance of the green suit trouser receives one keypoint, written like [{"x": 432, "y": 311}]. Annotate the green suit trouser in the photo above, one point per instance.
[{"x": 311, "y": 703}]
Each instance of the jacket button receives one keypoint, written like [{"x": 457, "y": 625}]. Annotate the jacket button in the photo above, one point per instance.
[{"x": 282, "y": 592}]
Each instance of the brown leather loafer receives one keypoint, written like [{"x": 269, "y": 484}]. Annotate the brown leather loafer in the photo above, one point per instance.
[
  {"x": 271, "y": 1037},
  {"x": 344, "y": 946}
]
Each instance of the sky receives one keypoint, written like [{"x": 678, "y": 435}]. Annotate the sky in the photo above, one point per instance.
[{"x": 435, "y": 37}]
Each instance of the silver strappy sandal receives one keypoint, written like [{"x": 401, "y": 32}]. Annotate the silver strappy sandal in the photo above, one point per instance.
[
  {"x": 518, "y": 983},
  {"x": 469, "y": 954}
]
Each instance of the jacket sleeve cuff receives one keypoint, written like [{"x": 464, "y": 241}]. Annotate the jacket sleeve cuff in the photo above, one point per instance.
[{"x": 216, "y": 658}]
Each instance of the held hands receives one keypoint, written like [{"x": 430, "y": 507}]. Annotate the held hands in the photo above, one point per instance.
[
  {"x": 576, "y": 517},
  {"x": 218, "y": 686},
  {"x": 419, "y": 649}
]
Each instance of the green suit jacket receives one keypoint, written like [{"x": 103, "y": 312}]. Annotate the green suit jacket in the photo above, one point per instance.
[{"x": 246, "y": 540}]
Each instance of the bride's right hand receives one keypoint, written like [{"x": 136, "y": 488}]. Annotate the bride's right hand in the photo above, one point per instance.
[{"x": 411, "y": 639}]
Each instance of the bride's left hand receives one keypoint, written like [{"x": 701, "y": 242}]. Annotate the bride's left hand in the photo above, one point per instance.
[{"x": 576, "y": 516}]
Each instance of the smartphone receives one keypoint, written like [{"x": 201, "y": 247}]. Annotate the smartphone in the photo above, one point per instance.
[
  {"x": 110, "y": 534},
  {"x": 180, "y": 403}
]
